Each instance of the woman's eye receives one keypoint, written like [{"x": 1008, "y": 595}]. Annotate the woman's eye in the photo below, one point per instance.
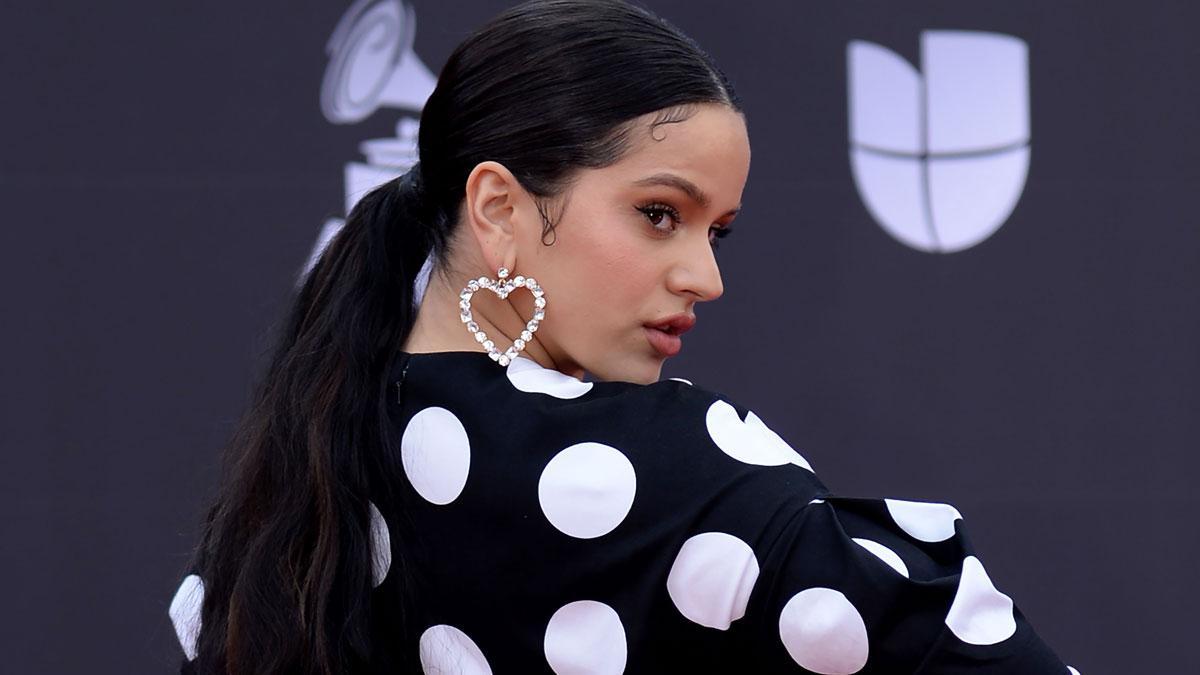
[
  {"x": 655, "y": 212},
  {"x": 719, "y": 233}
]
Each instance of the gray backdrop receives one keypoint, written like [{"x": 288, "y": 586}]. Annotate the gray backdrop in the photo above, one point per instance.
[{"x": 167, "y": 169}]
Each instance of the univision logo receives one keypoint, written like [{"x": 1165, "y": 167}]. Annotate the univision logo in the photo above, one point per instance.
[{"x": 940, "y": 155}]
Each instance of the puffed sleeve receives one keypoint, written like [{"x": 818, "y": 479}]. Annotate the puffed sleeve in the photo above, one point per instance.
[
  {"x": 854, "y": 585},
  {"x": 802, "y": 580}
]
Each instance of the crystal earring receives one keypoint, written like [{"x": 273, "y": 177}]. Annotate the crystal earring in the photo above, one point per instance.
[{"x": 502, "y": 287}]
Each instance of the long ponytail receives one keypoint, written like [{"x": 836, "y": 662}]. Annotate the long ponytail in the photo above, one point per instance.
[{"x": 286, "y": 553}]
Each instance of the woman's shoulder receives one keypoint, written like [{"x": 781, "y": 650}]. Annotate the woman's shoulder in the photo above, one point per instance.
[
  {"x": 670, "y": 430},
  {"x": 466, "y": 377},
  {"x": 527, "y": 395}
]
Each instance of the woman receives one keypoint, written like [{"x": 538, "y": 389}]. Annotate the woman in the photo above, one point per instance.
[{"x": 425, "y": 481}]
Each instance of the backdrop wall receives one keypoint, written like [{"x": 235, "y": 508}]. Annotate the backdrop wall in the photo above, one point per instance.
[{"x": 967, "y": 270}]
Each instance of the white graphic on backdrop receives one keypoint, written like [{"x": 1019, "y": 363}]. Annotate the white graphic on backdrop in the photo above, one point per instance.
[
  {"x": 940, "y": 155},
  {"x": 371, "y": 66}
]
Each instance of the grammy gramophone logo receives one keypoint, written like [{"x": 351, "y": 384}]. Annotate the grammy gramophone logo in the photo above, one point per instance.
[
  {"x": 940, "y": 155},
  {"x": 372, "y": 66}
]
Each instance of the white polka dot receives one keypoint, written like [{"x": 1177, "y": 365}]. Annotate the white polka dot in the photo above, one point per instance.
[
  {"x": 446, "y": 650},
  {"x": 381, "y": 546},
  {"x": 1072, "y": 670},
  {"x": 885, "y": 554},
  {"x": 711, "y": 579},
  {"x": 587, "y": 489},
  {"x": 927, "y": 521},
  {"x": 532, "y": 377},
  {"x": 823, "y": 632},
  {"x": 586, "y": 637},
  {"x": 980, "y": 614},
  {"x": 436, "y": 454},
  {"x": 185, "y": 613},
  {"x": 750, "y": 441},
  {"x": 680, "y": 379},
  {"x": 817, "y": 501}
]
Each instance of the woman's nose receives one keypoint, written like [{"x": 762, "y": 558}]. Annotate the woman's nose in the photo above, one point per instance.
[{"x": 699, "y": 273}]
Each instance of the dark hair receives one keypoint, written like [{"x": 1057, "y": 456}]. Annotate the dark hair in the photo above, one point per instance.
[{"x": 546, "y": 88}]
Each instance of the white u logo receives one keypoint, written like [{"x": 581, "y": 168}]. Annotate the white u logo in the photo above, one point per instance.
[{"x": 940, "y": 155}]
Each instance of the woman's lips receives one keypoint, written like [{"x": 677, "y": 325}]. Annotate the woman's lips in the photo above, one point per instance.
[{"x": 664, "y": 342}]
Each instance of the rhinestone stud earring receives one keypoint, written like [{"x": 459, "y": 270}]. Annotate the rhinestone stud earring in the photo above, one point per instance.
[{"x": 502, "y": 287}]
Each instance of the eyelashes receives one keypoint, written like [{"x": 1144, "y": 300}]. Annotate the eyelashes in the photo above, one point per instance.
[
  {"x": 659, "y": 209},
  {"x": 720, "y": 233},
  {"x": 650, "y": 209}
]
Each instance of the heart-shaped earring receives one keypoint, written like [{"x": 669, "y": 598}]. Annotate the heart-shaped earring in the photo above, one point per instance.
[{"x": 502, "y": 287}]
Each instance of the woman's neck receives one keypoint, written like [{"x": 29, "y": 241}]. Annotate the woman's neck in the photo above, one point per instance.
[{"x": 438, "y": 327}]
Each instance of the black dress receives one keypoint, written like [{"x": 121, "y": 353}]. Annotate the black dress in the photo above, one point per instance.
[{"x": 559, "y": 526}]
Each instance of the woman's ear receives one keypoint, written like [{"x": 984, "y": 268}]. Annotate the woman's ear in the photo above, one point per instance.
[{"x": 493, "y": 199}]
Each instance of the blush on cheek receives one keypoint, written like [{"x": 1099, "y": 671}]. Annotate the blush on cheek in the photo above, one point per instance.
[{"x": 612, "y": 270}]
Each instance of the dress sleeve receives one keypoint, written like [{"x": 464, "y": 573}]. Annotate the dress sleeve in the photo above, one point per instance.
[
  {"x": 806, "y": 581},
  {"x": 853, "y": 585}
]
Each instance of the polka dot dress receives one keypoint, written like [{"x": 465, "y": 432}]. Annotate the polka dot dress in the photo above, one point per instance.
[{"x": 559, "y": 526}]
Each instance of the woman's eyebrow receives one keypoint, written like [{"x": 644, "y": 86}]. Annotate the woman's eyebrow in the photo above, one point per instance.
[{"x": 679, "y": 182}]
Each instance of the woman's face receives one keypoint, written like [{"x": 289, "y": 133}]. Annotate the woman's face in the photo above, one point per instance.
[{"x": 634, "y": 244}]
